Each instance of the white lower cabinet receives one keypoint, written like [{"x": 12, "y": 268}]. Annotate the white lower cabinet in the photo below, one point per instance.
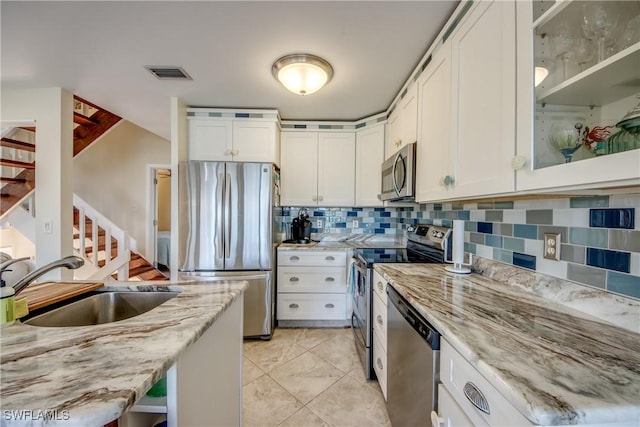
[
  {"x": 312, "y": 285},
  {"x": 491, "y": 407},
  {"x": 379, "y": 322},
  {"x": 449, "y": 412}
]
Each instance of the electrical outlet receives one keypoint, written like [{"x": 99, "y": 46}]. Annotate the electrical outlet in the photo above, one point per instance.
[
  {"x": 319, "y": 223},
  {"x": 354, "y": 224},
  {"x": 552, "y": 246}
]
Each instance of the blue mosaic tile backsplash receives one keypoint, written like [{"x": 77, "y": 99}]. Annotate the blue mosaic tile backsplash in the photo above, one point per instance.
[{"x": 600, "y": 236}]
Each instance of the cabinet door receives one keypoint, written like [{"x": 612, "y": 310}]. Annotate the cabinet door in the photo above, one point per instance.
[
  {"x": 409, "y": 114},
  {"x": 484, "y": 64},
  {"x": 449, "y": 412},
  {"x": 394, "y": 133},
  {"x": 602, "y": 91},
  {"x": 254, "y": 141},
  {"x": 298, "y": 169},
  {"x": 210, "y": 139},
  {"x": 336, "y": 168},
  {"x": 434, "y": 151},
  {"x": 369, "y": 158}
]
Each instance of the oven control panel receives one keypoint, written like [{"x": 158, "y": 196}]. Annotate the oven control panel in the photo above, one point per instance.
[{"x": 432, "y": 235}]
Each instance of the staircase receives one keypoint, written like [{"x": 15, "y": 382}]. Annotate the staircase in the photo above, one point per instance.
[{"x": 108, "y": 251}]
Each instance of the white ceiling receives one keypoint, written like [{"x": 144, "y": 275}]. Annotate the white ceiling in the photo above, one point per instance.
[{"x": 98, "y": 50}]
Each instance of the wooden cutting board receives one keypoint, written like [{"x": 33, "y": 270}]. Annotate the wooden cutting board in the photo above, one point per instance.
[{"x": 47, "y": 293}]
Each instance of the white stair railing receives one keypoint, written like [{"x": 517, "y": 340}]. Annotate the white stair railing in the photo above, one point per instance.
[{"x": 118, "y": 264}]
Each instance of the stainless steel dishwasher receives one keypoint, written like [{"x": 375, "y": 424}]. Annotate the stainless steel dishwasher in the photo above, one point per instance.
[{"x": 413, "y": 360}]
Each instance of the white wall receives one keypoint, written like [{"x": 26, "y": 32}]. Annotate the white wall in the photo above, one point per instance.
[{"x": 111, "y": 175}]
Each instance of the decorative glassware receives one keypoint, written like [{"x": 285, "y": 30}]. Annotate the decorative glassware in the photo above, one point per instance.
[
  {"x": 628, "y": 138},
  {"x": 585, "y": 53},
  {"x": 563, "y": 46},
  {"x": 631, "y": 33},
  {"x": 564, "y": 136},
  {"x": 599, "y": 21}
]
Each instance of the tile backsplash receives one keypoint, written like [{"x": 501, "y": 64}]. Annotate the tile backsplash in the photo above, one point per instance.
[{"x": 600, "y": 236}]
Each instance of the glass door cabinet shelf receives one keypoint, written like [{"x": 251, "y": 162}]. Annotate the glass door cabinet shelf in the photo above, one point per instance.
[{"x": 591, "y": 51}]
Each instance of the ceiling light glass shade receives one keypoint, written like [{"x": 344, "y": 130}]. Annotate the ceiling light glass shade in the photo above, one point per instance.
[
  {"x": 302, "y": 74},
  {"x": 540, "y": 73}
]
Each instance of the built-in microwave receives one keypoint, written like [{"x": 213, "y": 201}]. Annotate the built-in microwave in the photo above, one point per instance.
[{"x": 399, "y": 175}]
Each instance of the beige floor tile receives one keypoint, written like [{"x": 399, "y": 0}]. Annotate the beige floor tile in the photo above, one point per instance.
[
  {"x": 250, "y": 371},
  {"x": 304, "y": 418},
  {"x": 270, "y": 354},
  {"x": 349, "y": 403},
  {"x": 306, "y": 376},
  {"x": 340, "y": 351},
  {"x": 266, "y": 403},
  {"x": 310, "y": 338}
]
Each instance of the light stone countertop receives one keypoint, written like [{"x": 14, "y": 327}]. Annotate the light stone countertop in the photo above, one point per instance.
[
  {"x": 556, "y": 365},
  {"x": 93, "y": 374}
]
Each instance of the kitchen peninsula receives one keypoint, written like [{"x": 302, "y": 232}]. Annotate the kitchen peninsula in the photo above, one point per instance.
[
  {"x": 555, "y": 365},
  {"x": 92, "y": 375}
]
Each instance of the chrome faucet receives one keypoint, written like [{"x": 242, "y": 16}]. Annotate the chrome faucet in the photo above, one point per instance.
[{"x": 71, "y": 262}]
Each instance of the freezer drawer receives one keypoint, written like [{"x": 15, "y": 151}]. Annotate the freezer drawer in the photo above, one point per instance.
[{"x": 259, "y": 299}]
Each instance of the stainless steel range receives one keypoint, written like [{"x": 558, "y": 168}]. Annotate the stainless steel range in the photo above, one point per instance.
[{"x": 425, "y": 244}]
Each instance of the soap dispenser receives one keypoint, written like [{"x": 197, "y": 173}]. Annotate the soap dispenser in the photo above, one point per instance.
[{"x": 7, "y": 302}]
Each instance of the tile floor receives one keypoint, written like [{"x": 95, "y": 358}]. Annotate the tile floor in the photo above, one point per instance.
[{"x": 308, "y": 377}]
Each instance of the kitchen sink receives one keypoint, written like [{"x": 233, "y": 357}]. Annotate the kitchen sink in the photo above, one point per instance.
[{"x": 103, "y": 307}]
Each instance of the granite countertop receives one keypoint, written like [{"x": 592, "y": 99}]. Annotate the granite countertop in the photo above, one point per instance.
[
  {"x": 90, "y": 375},
  {"x": 556, "y": 365},
  {"x": 333, "y": 245}
]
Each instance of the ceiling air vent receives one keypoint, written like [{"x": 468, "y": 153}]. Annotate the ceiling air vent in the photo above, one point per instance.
[{"x": 168, "y": 73}]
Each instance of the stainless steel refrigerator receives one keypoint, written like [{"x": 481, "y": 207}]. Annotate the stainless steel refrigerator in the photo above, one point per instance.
[{"x": 226, "y": 219}]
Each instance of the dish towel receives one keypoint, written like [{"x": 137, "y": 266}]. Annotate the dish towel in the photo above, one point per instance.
[{"x": 351, "y": 279}]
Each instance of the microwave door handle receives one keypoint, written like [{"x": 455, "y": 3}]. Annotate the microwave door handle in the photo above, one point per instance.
[{"x": 393, "y": 174}]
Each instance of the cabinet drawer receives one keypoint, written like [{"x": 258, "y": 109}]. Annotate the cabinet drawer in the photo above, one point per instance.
[
  {"x": 380, "y": 319},
  {"x": 312, "y": 279},
  {"x": 456, "y": 372},
  {"x": 380, "y": 363},
  {"x": 313, "y": 258},
  {"x": 380, "y": 287},
  {"x": 311, "y": 306},
  {"x": 449, "y": 412}
]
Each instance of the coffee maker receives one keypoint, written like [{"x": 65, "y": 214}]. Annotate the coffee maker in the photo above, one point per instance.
[{"x": 301, "y": 227}]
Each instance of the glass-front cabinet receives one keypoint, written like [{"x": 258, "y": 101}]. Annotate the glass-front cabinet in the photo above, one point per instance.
[{"x": 578, "y": 120}]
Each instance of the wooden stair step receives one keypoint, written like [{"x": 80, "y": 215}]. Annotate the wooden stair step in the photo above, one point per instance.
[
  {"x": 17, "y": 164},
  {"x": 16, "y": 180},
  {"x": 83, "y": 120},
  {"x": 19, "y": 145},
  {"x": 140, "y": 270}
]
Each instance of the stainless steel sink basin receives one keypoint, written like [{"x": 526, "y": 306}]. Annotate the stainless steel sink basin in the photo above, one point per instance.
[{"x": 105, "y": 307}]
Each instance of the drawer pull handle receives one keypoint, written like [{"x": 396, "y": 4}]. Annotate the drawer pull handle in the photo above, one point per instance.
[
  {"x": 329, "y": 258},
  {"x": 294, "y": 258},
  {"x": 329, "y": 279},
  {"x": 380, "y": 286},
  {"x": 293, "y": 305},
  {"x": 329, "y": 305},
  {"x": 379, "y": 319},
  {"x": 476, "y": 397},
  {"x": 293, "y": 279},
  {"x": 379, "y": 363}
]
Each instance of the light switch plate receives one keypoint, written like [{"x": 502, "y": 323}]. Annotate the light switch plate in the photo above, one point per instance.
[
  {"x": 354, "y": 224},
  {"x": 552, "y": 246}
]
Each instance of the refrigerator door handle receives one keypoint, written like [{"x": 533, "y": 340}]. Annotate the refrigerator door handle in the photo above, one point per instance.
[
  {"x": 227, "y": 219},
  {"x": 219, "y": 241}
]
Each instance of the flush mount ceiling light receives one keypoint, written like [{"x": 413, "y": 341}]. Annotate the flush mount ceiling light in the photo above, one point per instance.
[{"x": 302, "y": 73}]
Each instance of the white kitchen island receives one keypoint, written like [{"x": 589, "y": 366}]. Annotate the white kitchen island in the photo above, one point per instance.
[{"x": 92, "y": 375}]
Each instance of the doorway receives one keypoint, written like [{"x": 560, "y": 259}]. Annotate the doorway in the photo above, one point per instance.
[{"x": 159, "y": 231}]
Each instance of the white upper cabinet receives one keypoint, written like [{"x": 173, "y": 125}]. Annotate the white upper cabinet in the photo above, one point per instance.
[
  {"x": 242, "y": 139},
  {"x": 483, "y": 99},
  {"x": 434, "y": 151},
  {"x": 403, "y": 122},
  {"x": 586, "y": 86},
  {"x": 369, "y": 158},
  {"x": 336, "y": 168},
  {"x": 210, "y": 139},
  {"x": 317, "y": 168}
]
